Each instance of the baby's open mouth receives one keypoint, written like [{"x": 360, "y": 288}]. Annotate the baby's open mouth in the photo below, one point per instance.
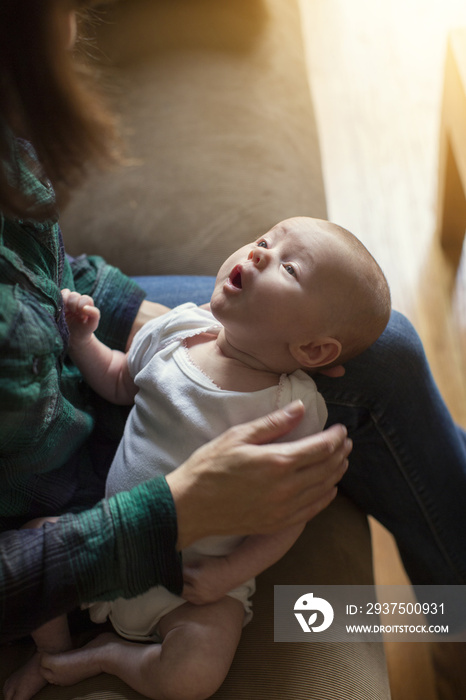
[{"x": 235, "y": 277}]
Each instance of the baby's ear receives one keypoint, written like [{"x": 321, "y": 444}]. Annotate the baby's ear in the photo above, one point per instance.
[{"x": 317, "y": 353}]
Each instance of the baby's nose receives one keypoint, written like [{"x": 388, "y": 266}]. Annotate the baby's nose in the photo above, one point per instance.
[{"x": 258, "y": 257}]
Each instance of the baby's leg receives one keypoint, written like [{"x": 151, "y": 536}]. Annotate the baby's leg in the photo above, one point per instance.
[
  {"x": 199, "y": 643},
  {"x": 52, "y": 637}
]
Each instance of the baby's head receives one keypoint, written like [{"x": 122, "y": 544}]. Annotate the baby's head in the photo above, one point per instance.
[
  {"x": 356, "y": 297},
  {"x": 306, "y": 294}
]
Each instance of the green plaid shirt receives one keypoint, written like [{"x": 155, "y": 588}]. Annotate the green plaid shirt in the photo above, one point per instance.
[{"x": 50, "y": 423}]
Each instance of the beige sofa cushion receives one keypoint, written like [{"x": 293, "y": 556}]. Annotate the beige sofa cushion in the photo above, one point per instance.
[{"x": 216, "y": 110}]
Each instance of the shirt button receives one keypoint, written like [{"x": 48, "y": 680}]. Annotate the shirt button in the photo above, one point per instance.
[{"x": 37, "y": 365}]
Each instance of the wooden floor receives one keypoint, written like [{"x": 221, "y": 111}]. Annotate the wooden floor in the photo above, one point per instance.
[{"x": 376, "y": 74}]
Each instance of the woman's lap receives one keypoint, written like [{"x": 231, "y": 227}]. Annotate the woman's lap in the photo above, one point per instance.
[
  {"x": 172, "y": 290},
  {"x": 408, "y": 465}
]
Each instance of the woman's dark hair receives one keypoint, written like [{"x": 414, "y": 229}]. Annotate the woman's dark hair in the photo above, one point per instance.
[{"x": 47, "y": 97}]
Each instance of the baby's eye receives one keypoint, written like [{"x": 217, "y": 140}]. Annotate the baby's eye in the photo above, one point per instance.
[
  {"x": 290, "y": 269},
  {"x": 262, "y": 244}
]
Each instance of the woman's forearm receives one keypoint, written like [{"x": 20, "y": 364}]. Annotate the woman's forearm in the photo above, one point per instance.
[
  {"x": 147, "y": 311},
  {"x": 122, "y": 546}
]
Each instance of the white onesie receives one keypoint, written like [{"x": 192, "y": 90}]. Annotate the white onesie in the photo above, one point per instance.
[{"x": 177, "y": 409}]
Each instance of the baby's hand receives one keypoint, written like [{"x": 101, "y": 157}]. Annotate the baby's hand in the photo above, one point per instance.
[{"x": 82, "y": 316}]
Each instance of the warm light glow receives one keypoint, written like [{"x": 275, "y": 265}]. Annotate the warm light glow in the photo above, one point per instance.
[{"x": 376, "y": 74}]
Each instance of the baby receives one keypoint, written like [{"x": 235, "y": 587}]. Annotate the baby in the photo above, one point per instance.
[{"x": 304, "y": 296}]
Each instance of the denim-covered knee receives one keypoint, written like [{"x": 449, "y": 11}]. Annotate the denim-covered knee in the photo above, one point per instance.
[
  {"x": 395, "y": 363},
  {"x": 400, "y": 340},
  {"x": 401, "y": 332}
]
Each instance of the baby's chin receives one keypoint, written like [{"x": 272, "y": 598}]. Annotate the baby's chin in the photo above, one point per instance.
[{"x": 216, "y": 304}]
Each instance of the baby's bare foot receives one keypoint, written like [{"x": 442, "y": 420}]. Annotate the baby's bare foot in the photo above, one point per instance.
[
  {"x": 71, "y": 667},
  {"x": 25, "y": 682}
]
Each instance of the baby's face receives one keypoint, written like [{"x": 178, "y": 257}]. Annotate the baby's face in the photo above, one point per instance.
[{"x": 272, "y": 290}]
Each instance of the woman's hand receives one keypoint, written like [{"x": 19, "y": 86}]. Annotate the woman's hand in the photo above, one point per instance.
[{"x": 244, "y": 483}]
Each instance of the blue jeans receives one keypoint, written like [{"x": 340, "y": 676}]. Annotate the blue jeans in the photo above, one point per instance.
[
  {"x": 408, "y": 464},
  {"x": 173, "y": 290}
]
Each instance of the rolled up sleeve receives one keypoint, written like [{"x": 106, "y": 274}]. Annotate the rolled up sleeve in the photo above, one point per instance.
[{"x": 121, "y": 547}]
